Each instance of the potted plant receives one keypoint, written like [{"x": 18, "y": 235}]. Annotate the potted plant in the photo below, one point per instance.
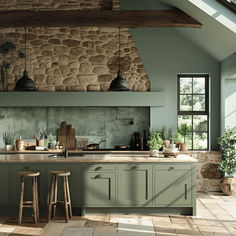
[
  {"x": 166, "y": 134},
  {"x": 177, "y": 138},
  {"x": 155, "y": 143},
  {"x": 227, "y": 144},
  {"x": 8, "y": 139},
  {"x": 184, "y": 130}
]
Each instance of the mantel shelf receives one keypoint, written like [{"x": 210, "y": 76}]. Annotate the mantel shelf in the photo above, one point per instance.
[{"x": 73, "y": 99}]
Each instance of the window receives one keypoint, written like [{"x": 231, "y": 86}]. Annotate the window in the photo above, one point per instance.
[{"x": 193, "y": 109}]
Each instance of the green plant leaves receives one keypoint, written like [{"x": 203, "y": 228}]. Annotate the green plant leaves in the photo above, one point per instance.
[{"x": 227, "y": 144}]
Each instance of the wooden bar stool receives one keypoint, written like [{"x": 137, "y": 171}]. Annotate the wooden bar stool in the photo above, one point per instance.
[
  {"x": 34, "y": 203},
  {"x": 53, "y": 202}
]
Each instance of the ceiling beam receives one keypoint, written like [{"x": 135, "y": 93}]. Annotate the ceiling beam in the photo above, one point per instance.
[{"x": 97, "y": 18}]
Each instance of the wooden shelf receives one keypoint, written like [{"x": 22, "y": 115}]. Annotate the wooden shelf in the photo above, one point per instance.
[{"x": 73, "y": 99}]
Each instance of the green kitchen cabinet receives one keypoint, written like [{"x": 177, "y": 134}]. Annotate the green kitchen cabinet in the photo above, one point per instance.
[
  {"x": 75, "y": 181},
  {"x": 99, "y": 188},
  {"x": 15, "y": 183},
  {"x": 134, "y": 184},
  {"x": 173, "y": 184},
  {"x": 4, "y": 183}
]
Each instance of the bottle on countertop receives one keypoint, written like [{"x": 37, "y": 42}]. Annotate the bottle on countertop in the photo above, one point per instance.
[
  {"x": 131, "y": 143},
  {"x": 145, "y": 144},
  {"x": 137, "y": 140}
]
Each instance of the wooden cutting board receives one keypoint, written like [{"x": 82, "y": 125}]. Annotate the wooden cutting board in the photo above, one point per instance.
[{"x": 66, "y": 134}]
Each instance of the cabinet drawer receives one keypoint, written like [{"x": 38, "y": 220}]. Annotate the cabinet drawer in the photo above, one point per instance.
[
  {"x": 172, "y": 166},
  {"x": 134, "y": 166},
  {"x": 100, "y": 167}
]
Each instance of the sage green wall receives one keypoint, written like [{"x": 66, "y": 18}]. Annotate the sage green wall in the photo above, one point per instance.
[
  {"x": 228, "y": 89},
  {"x": 95, "y": 123},
  {"x": 165, "y": 53}
]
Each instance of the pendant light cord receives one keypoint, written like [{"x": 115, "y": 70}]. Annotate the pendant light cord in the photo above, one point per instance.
[
  {"x": 25, "y": 48},
  {"x": 119, "y": 49}
]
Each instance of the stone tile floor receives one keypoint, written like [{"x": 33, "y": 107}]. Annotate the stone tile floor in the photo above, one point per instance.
[{"x": 216, "y": 215}]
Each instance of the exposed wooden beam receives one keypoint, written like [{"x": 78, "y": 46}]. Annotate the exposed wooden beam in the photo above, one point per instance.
[
  {"x": 97, "y": 18},
  {"x": 106, "y": 4}
]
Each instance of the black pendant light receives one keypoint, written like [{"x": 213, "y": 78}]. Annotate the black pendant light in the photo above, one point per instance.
[
  {"x": 119, "y": 83},
  {"x": 25, "y": 83}
]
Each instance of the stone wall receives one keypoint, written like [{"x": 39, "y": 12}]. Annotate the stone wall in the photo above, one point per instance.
[
  {"x": 72, "y": 59},
  {"x": 208, "y": 175}
]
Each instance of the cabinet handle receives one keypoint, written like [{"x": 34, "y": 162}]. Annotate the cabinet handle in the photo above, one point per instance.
[
  {"x": 171, "y": 168},
  {"x": 98, "y": 176},
  {"x": 98, "y": 168},
  {"x": 26, "y": 167},
  {"x": 185, "y": 191},
  {"x": 134, "y": 167}
]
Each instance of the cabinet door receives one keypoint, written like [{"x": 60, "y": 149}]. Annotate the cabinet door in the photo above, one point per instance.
[
  {"x": 74, "y": 182},
  {"x": 15, "y": 183},
  {"x": 4, "y": 185},
  {"x": 99, "y": 188},
  {"x": 134, "y": 184},
  {"x": 172, "y": 185}
]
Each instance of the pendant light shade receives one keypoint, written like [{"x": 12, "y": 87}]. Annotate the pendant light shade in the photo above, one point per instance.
[
  {"x": 25, "y": 83},
  {"x": 119, "y": 83}
]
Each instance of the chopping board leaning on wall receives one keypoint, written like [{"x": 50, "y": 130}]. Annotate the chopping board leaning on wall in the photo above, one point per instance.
[{"x": 66, "y": 135}]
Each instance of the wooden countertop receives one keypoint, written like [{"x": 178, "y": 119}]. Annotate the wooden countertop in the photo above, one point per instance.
[{"x": 99, "y": 157}]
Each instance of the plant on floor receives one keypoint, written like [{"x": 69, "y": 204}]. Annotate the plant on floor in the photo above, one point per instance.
[
  {"x": 155, "y": 141},
  {"x": 227, "y": 144},
  {"x": 8, "y": 138}
]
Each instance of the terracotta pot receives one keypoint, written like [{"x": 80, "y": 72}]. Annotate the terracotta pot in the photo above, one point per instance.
[
  {"x": 9, "y": 147},
  {"x": 184, "y": 147},
  {"x": 166, "y": 143},
  {"x": 154, "y": 153},
  {"x": 228, "y": 186}
]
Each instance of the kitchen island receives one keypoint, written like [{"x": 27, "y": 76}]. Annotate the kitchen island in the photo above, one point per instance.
[{"x": 129, "y": 182}]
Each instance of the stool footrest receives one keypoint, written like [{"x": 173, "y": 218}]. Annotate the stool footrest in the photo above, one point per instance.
[
  {"x": 28, "y": 206},
  {"x": 60, "y": 203}
]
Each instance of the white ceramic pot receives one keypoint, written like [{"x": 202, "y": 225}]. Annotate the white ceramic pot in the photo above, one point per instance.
[
  {"x": 9, "y": 147},
  {"x": 171, "y": 146},
  {"x": 154, "y": 153}
]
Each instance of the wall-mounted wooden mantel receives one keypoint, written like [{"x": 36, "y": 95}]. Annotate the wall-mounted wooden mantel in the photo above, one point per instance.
[
  {"x": 73, "y": 99},
  {"x": 98, "y": 18}
]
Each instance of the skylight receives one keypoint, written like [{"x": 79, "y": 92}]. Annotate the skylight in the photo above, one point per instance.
[{"x": 231, "y": 4}]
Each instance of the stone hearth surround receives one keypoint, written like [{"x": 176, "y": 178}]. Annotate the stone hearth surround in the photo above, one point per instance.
[{"x": 73, "y": 59}]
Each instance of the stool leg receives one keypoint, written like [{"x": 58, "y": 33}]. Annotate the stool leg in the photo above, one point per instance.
[
  {"x": 65, "y": 199},
  {"x": 34, "y": 201},
  {"x": 21, "y": 199},
  {"x": 68, "y": 197},
  {"x": 37, "y": 196},
  {"x": 55, "y": 196},
  {"x": 50, "y": 198}
]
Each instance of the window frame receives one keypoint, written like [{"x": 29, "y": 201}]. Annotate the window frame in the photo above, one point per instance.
[{"x": 192, "y": 113}]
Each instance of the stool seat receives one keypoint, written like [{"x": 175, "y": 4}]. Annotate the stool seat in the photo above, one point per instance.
[
  {"x": 28, "y": 173},
  {"x": 53, "y": 202},
  {"x": 60, "y": 172}
]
